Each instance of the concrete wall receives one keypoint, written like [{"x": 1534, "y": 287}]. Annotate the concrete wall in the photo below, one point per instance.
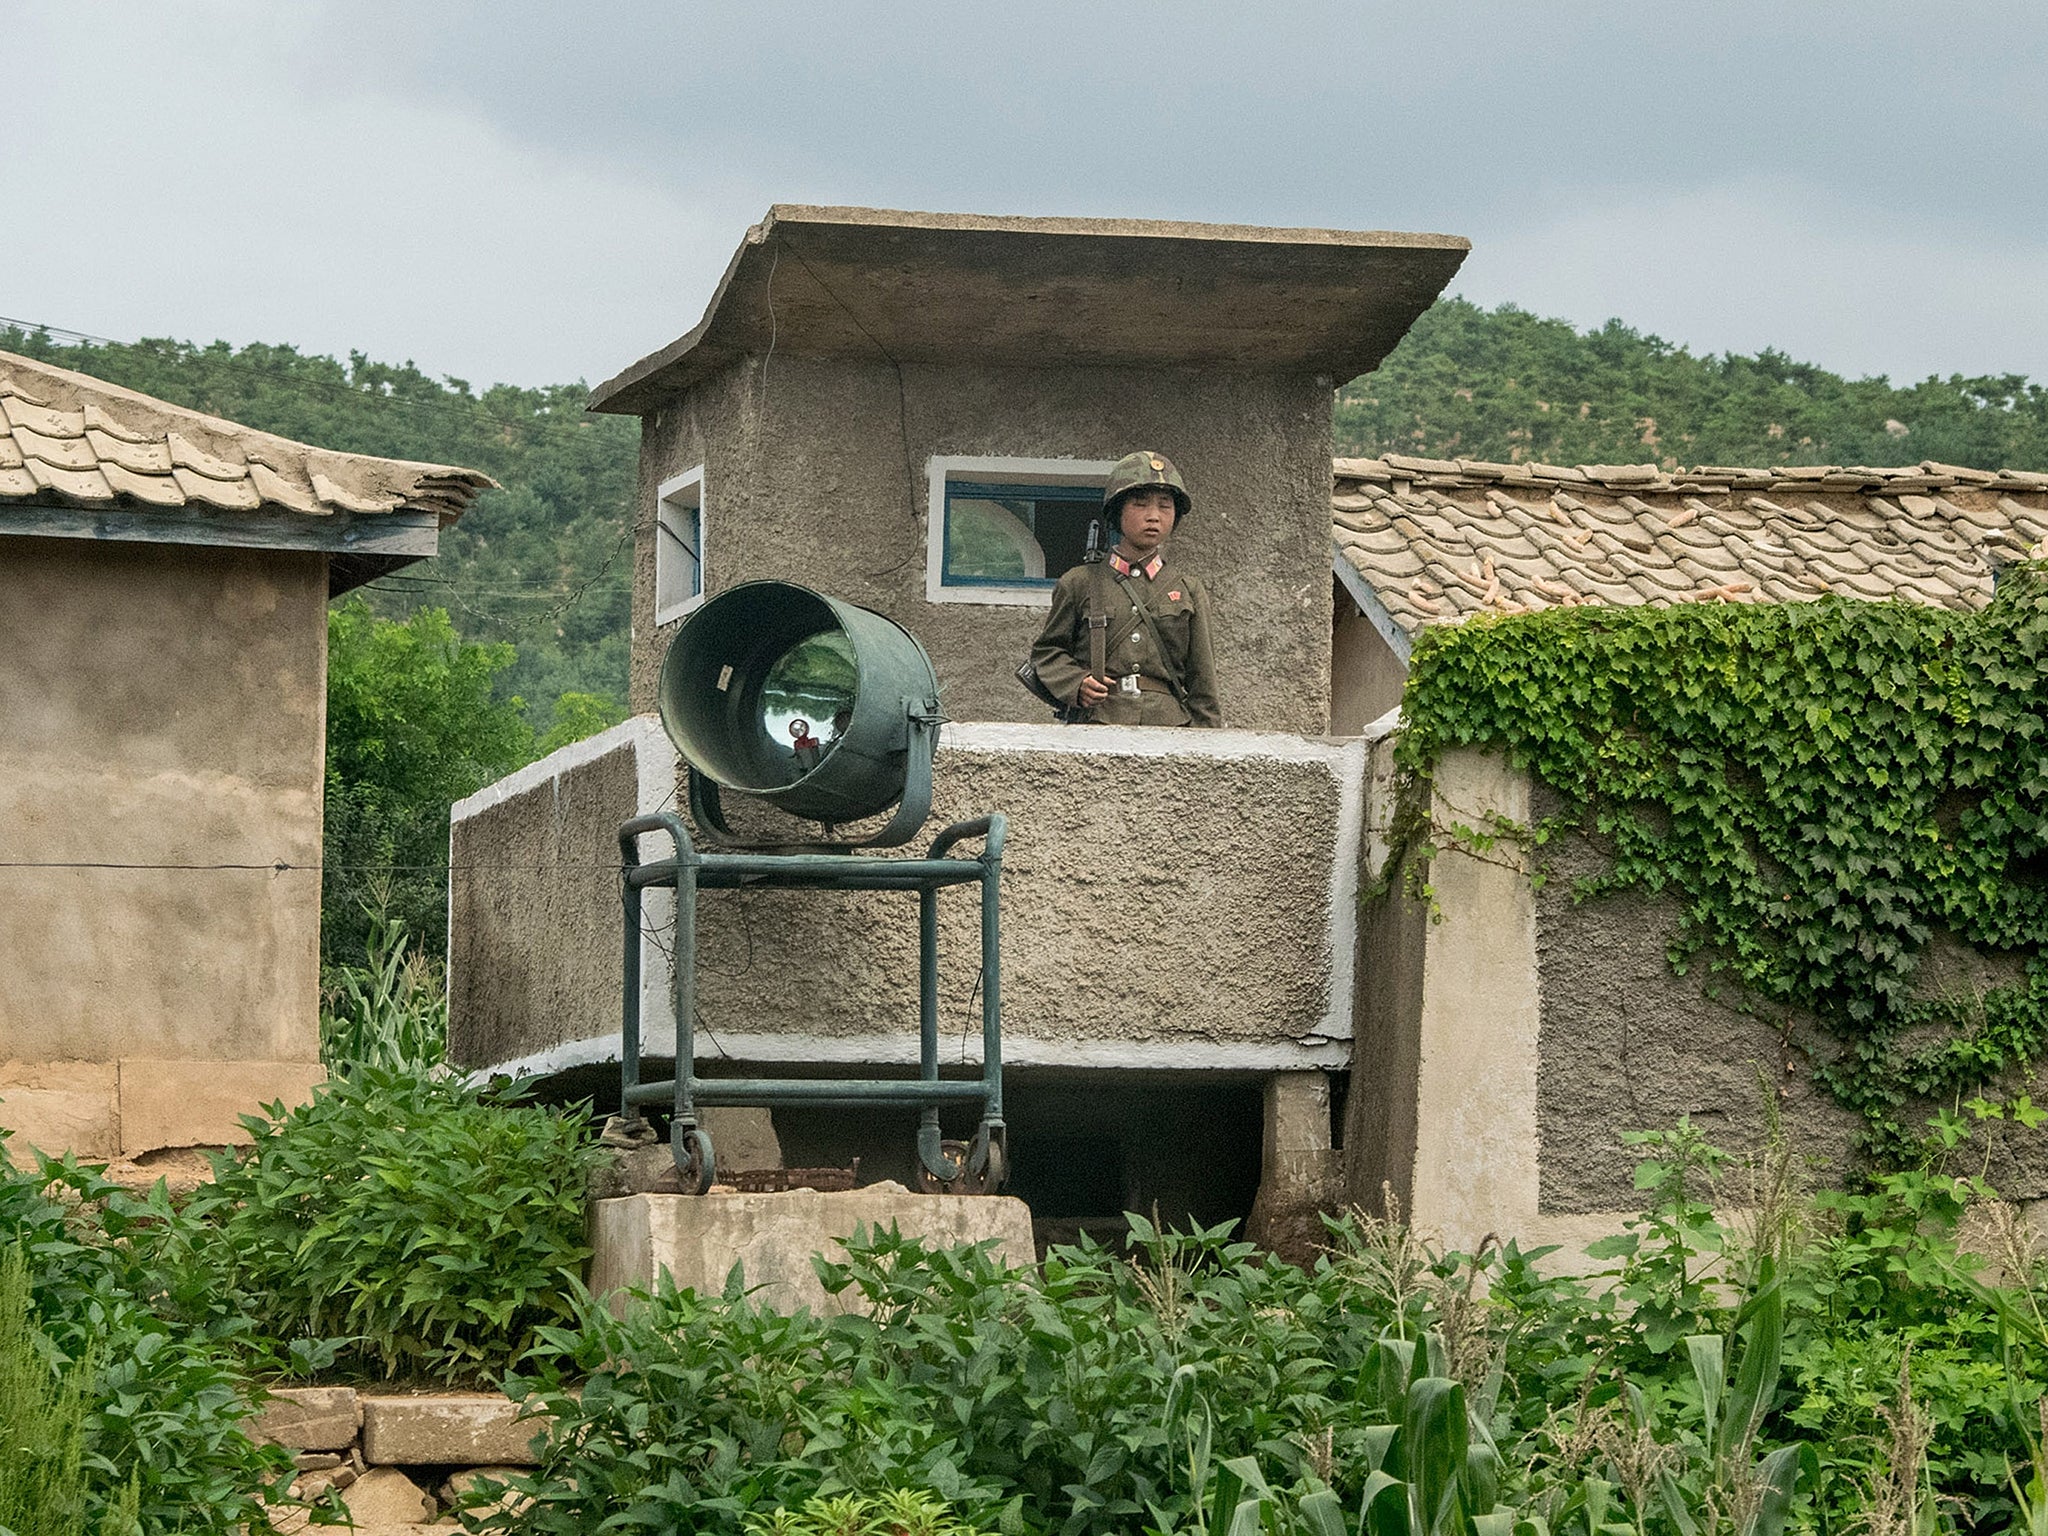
[
  {"x": 159, "y": 705},
  {"x": 1173, "y": 900},
  {"x": 815, "y": 472},
  {"x": 1507, "y": 1037},
  {"x": 1366, "y": 677},
  {"x": 1443, "y": 1102},
  {"x": 1629, "y": 1044}
]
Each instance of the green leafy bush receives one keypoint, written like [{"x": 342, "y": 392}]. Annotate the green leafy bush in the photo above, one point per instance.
[
  {"x": 123, "y": 1301},
  {"x": 430, "y": 1226},
  {"x": 1717, "y": 1381}
]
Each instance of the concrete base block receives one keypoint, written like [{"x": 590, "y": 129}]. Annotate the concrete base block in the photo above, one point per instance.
[
  {"x": 1300, "y": 1175},
  {"x": 60, "y": 1106},
  {"x": 200, "y": 1103},
  {"x": 698, "y": 1239},
  {"x": 447, "y": 1429}
]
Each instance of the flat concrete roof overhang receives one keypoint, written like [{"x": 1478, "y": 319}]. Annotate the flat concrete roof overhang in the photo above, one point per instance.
[{"x": 942, "y": 287}]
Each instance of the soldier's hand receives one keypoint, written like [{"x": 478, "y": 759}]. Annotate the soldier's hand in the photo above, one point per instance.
[{"x": 1093, "y": 691}]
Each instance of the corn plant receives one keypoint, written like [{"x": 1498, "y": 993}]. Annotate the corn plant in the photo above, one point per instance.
[
  {"x": 2030, "y": 1488},
  {"x": 42, "y": 1421},
  {"x": 390, "y": 1013},
  {"x": 899, "y": 1512},
  {"x": 1724, "y": 1487},
  {"x": 1433, "y": 1469}
]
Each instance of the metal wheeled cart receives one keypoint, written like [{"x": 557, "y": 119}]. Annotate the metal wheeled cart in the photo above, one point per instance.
[{"x": 976, "y": 1167}]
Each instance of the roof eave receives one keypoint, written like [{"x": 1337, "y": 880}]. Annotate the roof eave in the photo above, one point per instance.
[{"x": 922, "y": 270}]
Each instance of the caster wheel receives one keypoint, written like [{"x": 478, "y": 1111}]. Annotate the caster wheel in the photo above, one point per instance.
[
  {"x": 986, "y": 1180},
  {"x": 692, "y": 1148}
]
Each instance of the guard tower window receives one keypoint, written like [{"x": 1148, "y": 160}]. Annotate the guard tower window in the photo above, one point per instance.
[
  {"x": 1003, "y": 530},
  {"x": 679, "y": 546}
]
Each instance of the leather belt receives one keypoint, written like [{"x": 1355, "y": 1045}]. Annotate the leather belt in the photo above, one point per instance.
[{"x": 1144, "y": 684}]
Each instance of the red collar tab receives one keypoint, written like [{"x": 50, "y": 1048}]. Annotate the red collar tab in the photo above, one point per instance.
[{"x": 1124, "y": 567}]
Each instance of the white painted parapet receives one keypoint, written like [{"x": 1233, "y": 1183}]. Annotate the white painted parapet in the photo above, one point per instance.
[{"x": 1180, "y": 900}]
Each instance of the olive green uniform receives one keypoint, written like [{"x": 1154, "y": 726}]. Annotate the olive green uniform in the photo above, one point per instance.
[{"x": 1179, "y": 606}]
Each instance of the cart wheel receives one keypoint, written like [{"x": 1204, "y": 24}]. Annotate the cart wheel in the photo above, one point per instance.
[
  {"x": 931, "y": 1183},
  {"x": 987, "y": 1181},
  {"x": 692, "y": 1148}
]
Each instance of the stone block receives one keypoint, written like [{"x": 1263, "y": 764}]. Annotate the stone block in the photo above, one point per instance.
[
  {"x": 200, "y": 1103},
  {"x": 58, "y": 1107},
  {"x": 447, "y": 1429},
  {"x": 309, "y": 1418},
  {"x": 385, "y": 1496},
  {"x": 698, "y": 1239}
]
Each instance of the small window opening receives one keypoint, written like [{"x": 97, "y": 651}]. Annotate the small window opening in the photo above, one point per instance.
[
  {"x": 1005, "y": 530},
  {"x": 679, "y": 546}
]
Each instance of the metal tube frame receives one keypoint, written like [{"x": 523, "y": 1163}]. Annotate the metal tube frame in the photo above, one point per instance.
[{"x": 691, "y": 871}]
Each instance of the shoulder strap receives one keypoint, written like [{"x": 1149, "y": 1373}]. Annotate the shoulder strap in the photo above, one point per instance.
[{"x": 1166, "y": 661}]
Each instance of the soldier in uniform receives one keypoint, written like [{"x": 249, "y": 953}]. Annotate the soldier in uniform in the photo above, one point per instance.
[{"x": 1127, "y": 641}]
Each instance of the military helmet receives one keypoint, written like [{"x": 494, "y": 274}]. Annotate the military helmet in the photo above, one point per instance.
[{"x": 1141, "y": 471}]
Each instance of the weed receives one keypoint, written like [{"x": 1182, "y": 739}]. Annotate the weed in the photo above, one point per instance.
[{"x": 429, "y": 1226}]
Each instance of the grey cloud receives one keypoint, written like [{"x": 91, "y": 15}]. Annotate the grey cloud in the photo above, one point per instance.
[
  {"x": 536, "y": 190},
  {"x": 1308, "y": 112}
]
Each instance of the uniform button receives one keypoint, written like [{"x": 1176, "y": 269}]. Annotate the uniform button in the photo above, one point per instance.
[{"x": 1137, "y": 639}]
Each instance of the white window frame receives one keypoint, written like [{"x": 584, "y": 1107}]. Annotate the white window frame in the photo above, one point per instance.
[
  {"x": 682, "y": 494},
  {"x": 941, "y": 469}
]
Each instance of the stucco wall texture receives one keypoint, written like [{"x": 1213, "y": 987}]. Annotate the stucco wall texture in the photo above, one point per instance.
[
  {"x": 815, "y": 472},
  {"x": 1628, "y": 1044},
  {"x": 158, "y": 706},
  {"x": 1509, "y": 1036},
  {"x": 1160, "y": 908}
]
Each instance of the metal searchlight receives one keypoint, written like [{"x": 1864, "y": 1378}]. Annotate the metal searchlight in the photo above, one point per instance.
[
  {"x": 816, "y": 707},
  {"x": 828, "y": 712}
]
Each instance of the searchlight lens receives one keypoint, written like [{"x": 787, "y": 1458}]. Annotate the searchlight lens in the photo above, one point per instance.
[
  {"x": 802, "y": 700},
  {"x": 807, "y": 700}
]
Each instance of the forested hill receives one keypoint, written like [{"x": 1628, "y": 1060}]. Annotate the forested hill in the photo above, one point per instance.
[
  {"x": 545, "y": 562},
  {"x": 1506, "y": 386}
]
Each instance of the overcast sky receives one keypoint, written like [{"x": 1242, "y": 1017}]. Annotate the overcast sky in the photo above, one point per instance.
[{"x": 535, "y": 190}]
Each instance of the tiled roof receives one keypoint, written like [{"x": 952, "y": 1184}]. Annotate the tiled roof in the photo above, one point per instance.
[
  {"x": 70, "y": 440},
  {"x": 1436, "y": 540}
]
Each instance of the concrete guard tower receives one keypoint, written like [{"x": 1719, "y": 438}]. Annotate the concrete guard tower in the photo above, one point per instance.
[
  {"x": 857, "y": 370},
  {"x": 914, "y": 412}
]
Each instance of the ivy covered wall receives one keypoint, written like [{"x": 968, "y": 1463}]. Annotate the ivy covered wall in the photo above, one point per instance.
[{"x": 1824, "y": 824}]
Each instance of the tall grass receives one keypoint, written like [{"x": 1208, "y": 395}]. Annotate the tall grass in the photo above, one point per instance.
[
  {"x": 42, "y": 1426},
  {"x": 390, "y": 1012}
]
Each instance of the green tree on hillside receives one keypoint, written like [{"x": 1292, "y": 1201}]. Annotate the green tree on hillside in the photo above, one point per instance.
[
  {"x": 413, "y": 724},
  {"x": 1507, "y": 386}
]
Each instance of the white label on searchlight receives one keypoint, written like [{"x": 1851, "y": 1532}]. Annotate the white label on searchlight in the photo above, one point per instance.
[{"x": 724, "y": 678}]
